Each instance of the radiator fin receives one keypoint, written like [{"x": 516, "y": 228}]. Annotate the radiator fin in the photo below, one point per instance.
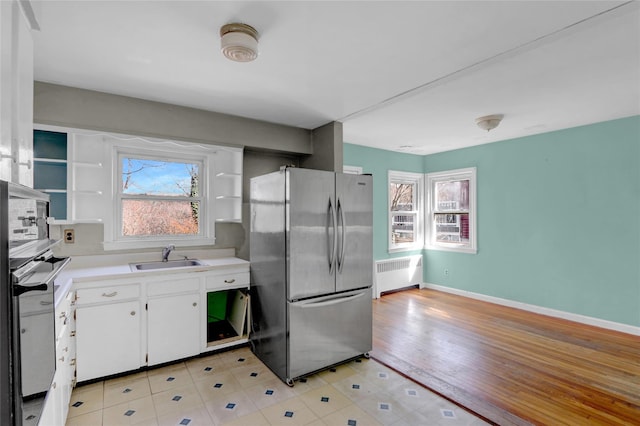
[
  {"x": 392, "y": 274},
  {"x": 395, "y": 264}
]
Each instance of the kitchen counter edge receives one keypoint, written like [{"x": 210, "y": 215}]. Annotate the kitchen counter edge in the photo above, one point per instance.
[{"x": 69, "y": 277}]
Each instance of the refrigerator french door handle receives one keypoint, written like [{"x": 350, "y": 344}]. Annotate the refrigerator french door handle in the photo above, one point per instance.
[
  {"x": 342, "y": 235},
  {"x": 331, "y": 301},
  {"x": 331, "y": 242}
]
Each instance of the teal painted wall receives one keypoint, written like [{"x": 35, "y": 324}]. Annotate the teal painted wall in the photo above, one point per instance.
[
  {"x": 558, "y": 220},
  {"x": 378, "y": 162}
]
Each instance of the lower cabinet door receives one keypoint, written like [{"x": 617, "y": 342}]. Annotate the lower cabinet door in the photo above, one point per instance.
[
  {"x": 173, "y": 327},
  {"x": 108, "y": 339},
  {"x": 52, "y": 413}
]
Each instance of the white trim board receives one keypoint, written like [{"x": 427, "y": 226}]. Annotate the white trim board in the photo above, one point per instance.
[{"x": 597, "y": 322}]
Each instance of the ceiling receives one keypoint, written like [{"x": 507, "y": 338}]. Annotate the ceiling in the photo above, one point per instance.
[{"x": 402, "y": 76}]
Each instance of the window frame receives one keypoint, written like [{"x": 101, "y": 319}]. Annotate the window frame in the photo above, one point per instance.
[
  {"x": 431, "y": 210},
  {"x": 416, "y": 179},
  {"x": 158, "y": 150}
]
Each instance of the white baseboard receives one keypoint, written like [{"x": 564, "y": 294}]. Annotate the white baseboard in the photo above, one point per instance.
[{"x": 623, "y": 328}]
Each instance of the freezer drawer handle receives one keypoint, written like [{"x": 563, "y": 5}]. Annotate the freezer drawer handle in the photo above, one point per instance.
[
  {"x": 110, "y": 294},
  {"x": 332, "y": 301}
]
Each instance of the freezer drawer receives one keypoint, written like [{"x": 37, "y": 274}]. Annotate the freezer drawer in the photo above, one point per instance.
[{"x": 328, "y": 330}]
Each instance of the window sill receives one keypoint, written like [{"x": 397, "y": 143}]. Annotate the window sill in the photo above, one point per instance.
[
  {"x": 141, "y": 244},
  {"x": 415, "y": 247},
  {"x": 467, "y": 250}
]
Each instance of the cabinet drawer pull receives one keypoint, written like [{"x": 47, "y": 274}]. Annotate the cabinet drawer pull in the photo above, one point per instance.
[
  {"x": 231, "y": 281},
  {"x": 44, "y": 302},
  {"x": 133, "y": 313},
  {"x": 195, "y": 304},
  {"x": 110, "y": 294}
]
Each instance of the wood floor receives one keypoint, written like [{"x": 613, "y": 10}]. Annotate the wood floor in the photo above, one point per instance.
[{"x": 509, "y": 366}]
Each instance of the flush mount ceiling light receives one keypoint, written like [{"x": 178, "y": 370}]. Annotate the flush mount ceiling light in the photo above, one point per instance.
[
  {"x": 239, "y": 42},
  {"x": 489, "y": 122}
]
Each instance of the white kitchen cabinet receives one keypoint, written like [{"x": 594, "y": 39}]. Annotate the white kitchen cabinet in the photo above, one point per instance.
[
  {"x": 173, "y": 318},
  {"x": 88, "y": 179},
  {"x": 227, "y": 308},
  {"x": 16, "y": 92},
  {"x": 108, "y": 331},
  {"x": 173, "y": 327},
  {"x": 69, "y": 167},
  {"x": 50, "y": 170},
  {"x": 22, "y": 172},
  {"x": 6, "y": 89},
  {"x": 228, "y": 185},
  {"x": 57, "y": 404},
  {"x": 172, "y": 323}
]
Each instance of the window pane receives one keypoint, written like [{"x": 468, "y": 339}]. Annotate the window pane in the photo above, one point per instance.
[
  {"x": 156, "y": 177},
  {"x": 452, "y": 228},
  {"x": 402, "y": 196},
  {"x": 402, "y": 228},
  {"x": 153, "y": 217},
  {"x": 452, "y": 195}
]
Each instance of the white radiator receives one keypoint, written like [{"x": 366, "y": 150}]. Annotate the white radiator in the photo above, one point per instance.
[{"x": 392, "y": 274}]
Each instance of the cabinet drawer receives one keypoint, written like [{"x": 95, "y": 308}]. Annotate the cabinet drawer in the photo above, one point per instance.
[
  {"x": 178, "y": 285},
  {"x": 107, "y": 294},
  {"x": 230, "y": 280},
  {"x": 64, "y": 312}
]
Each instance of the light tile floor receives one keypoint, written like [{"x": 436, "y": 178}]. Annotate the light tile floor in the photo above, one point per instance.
[{"x": 235, "y": 388}]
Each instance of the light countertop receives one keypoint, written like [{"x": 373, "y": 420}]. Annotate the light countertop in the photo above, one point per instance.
[{"x": 71, "y": 276}]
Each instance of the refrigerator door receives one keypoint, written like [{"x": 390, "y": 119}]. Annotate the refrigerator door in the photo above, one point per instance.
[
  {"x": 327, "y": 330},
  {"x": 311, "y": 232},
  {"x": 269, "y": 271},
  {"x": 354, "y": 194}
]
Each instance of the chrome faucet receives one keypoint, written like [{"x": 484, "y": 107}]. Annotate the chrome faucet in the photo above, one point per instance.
[{"x": 166, "y": 251}]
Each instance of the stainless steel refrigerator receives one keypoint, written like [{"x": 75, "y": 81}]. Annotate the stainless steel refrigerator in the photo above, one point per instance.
[{"x": 311, "y": 253}]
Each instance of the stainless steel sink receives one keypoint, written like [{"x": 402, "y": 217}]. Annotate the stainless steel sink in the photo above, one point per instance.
[{"x": 148, "y": 266}]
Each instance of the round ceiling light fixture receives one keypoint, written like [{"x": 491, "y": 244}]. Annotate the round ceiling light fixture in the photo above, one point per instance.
[
  {"x": 489, "y": 122},
  {"x": 239, "y": 42}
]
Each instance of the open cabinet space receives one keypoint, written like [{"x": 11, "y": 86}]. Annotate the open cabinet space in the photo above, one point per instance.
[{"x": 227, "y": 316}]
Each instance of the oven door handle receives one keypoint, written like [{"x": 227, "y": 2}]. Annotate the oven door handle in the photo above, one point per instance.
[
  {"x": 21, "y": 289},
  {"x": 58, "y": 268},
  {"x": 60, "y": 264}
]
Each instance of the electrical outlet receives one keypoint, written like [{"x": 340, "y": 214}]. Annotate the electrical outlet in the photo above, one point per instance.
[
  {"x": 69, "y": 236},
  {"x": 446, "y": 272}
]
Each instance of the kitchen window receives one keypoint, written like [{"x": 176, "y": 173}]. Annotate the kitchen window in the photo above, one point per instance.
[
  {"x": 451, "y": 210},
  {"x": 405, "y": 211},
  {"x": 163, "y": 193},
  {"x": 159, "y": 197}
]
